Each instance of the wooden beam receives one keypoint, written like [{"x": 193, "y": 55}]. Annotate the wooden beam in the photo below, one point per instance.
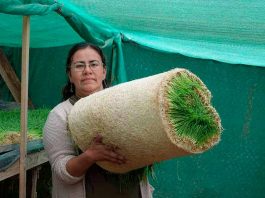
[
  {"x": 33, "y": 160},
  {"x": 10, "y": 78},
  {"x": 24, "y": 107}
]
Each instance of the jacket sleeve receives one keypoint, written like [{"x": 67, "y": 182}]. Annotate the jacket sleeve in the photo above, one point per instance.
[{"x": 59, "y": 146}]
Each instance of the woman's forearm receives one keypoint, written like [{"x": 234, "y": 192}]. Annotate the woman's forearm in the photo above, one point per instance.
[{"x": 77, "y": 166}]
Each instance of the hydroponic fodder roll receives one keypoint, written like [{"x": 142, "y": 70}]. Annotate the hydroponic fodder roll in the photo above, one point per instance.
[{"x": 151, "y": 119}]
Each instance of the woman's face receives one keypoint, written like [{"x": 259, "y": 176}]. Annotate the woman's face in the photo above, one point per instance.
[{"x": 87, "y": 79}]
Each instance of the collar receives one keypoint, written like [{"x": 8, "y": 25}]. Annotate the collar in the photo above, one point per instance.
[{"x": 73, "y": 99}]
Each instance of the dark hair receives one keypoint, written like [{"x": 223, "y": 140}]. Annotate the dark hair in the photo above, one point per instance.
[{"x": 69, "y": 88}]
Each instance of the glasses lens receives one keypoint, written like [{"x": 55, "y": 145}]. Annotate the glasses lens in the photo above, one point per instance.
[
  {"x": 94, "y": 64},
  {"x": 79, "y": 66}
]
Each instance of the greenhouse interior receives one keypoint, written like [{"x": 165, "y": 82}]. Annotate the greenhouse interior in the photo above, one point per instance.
[{"x": 221, "y": 42}]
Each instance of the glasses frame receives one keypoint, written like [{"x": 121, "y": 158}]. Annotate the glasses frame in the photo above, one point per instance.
[{"x": 84, "y": 65}]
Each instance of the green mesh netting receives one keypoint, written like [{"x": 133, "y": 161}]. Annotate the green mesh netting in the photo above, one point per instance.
[{"x": 226, "y": 31}]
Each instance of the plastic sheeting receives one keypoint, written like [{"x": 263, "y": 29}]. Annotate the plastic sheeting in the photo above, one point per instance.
[{"x": 9, "y": 154}]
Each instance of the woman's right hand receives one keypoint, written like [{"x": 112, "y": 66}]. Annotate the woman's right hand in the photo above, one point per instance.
[{"x": 98, "y": 151}]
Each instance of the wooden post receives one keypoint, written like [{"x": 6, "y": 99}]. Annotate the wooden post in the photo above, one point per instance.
[
  {"x": 24, "y": 107},
  {"x": 35, "y": 175}
]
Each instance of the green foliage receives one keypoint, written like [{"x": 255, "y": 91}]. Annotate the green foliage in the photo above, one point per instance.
[
  {"x": 10, "y": 122},
  {"x": 189, "y": 110}
]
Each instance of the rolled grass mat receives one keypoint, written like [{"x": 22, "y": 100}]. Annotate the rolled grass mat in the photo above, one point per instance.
[{"x": 152, "y": 119}]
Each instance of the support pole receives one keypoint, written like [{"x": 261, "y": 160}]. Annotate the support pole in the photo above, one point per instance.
[
  {"x": 35, "y": 176},
  {"x": 24, "y": 107}
]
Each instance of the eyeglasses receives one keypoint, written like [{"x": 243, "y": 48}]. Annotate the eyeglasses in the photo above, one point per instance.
[{"x": 80, "y": 66}]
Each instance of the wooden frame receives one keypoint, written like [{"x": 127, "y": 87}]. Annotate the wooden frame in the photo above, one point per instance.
[
  {"x": 33, "y": 160},
  {"x": 10, "y": 78}
]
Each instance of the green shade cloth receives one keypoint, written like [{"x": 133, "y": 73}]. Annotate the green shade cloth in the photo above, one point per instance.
[{"x": 227, "y": 31}]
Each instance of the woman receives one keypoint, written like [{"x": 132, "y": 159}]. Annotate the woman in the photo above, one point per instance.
[{"x": 74, "y": 173}]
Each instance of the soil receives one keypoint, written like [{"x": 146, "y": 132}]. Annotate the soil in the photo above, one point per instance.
[{"x": 13, "y": 137}]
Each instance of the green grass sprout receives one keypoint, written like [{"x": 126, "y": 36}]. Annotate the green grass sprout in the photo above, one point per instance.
[
  {"x": 190, "y": 111},
  {"x": 10, "y": 123}
]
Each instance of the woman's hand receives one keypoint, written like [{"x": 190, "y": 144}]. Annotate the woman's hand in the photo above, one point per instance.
[
  {"x": 98, "y": 151},
  {"x": 77, "y": 166}
]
